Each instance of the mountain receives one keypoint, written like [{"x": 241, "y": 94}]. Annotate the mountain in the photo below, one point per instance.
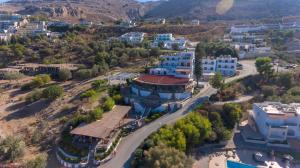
[
  {"x": 112, "y": 10},
  {"x": 73, "y": 10},
  {"x": 224, "y": 9}
]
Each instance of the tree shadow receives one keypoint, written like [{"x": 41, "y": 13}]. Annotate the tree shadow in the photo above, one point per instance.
[{"x": 28, "y": 110}]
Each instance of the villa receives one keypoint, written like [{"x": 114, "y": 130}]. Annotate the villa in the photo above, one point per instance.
[
  {"x": 165, "y": 85},
  {"x": 227, "y": 65},
  {"x": 133, "y": 37},
  {"x": 168, "y": 41},
  {"x": 277, "y": 121}
]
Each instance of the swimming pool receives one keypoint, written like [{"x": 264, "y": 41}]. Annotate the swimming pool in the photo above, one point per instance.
[{"x": 232, "y": 164}]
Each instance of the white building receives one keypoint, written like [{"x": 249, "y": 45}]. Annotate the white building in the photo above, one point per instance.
[
  {"x": 277, "y": 121},
  {"x": 227, "y": 65},
  {"x": 195, "y": 22},
  {"x": 169, "y": 41},
  {"x": 133, "y": 37},
  {"x": 178, "y": 65}
]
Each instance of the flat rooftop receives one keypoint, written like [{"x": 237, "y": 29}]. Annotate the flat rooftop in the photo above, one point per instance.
[
  {"x": 279, "y": 109},
  {"x": 102, "y": 129},
  {"x": 162, "y": 80}
]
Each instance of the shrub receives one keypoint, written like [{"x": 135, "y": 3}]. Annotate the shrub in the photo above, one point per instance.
[
  {"x": 53, "y": 92},
  {"x": 12, "y": 148},
  {"x": 88, "y": 94},
  {"x": 38, "y": 81},
  {"x": 12, "y": 76},
  {"x": 34, "y": 96},
  {"x": 269, "y": 91},
  {"x": 83, "y": 74},
  {"x": 64, "y": 75},
  {"x": 99, "y": 84},
  {"x": 109, "y": 103},
  {"x": 96, "y": 114},
  {"x": 38, "y": 162},
  {"x": 118, "y": 99}
]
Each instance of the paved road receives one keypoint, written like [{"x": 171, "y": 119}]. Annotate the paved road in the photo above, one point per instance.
[{"x": 131, "y": 142}]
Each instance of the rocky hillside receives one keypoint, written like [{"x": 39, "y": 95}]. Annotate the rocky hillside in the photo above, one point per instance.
[
  {"x": 111, "y": 10},
  {"x": 73, "y": 10},
  {"x": 225, "y": 9}
]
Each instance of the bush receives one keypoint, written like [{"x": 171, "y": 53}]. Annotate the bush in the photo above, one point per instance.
[
  {"x": 96, "y": 114},
  {"x": 12, "y": 76},
  {"x": 53, "y": 92},
  {"x": 83, "y": 74},
  {"x": 64, "y": 75},
  {"x": 88, "y": 94},
  {"x": 269, "y": 91},
  {"x": 108, "y": 104},
  {"x": 34, "y": 96},
  {"x": 39, "y": 162},
  {"x": 12, "y": 148},
  {"x": 99, "y": 84},
  {"x": 118, "y": 99},
  {"x": 38, "y": 81}
]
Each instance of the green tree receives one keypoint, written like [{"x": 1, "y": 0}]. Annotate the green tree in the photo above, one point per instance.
[
  {"x": 88, "y": 94},
  {"x": 179, "y": 20},
  {"x": 53, "y": 92},
  {"x": 38, "y": 162},
  {"x": 96, "y": 114},
  {"x": 199, "y": 54},
  {"x": 286, "y": 80},
  {"x": 99, "y": 84},
  {"x": 264, "y": 67},
  {"x": 170, "y": 137},
  {"x": 83, "y": 74},
  {"x": 269, "y": 91},
  {"x": 12, "y": 148},
  {"x": 232, "y": 114},
  {"x": 166, "y": 157},
  {"x": 161, "y": 45},
  {"x": 109, "y": 103},
  {"x": 217, "y": 81},
  {"x": 175, "y": 47},
  {"x": 155, "y": 52},
  {"x": 64, "y": 75}
]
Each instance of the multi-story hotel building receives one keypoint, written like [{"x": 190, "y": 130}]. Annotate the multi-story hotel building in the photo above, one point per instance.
[
  {"x": 227, "y": 65},
  {"x": 169, "y": 41}
]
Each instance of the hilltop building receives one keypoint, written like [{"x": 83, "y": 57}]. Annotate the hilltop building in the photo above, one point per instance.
[
  {"x": 104, "y": 131},
  {"x": 168, "y": 41},
  {"x": 133, "y": 37},
  {"x": 227, "y": 65},
  {"x": 277, "y": 121},
  {"x": 165, "y": 85}
]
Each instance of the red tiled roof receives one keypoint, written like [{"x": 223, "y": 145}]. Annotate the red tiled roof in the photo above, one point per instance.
[{"x": 162, "y": 80}]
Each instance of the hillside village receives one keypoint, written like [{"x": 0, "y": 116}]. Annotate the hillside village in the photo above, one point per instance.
[{"x": 151, "y": 93}]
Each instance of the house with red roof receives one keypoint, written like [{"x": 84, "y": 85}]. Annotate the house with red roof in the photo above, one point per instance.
[{"x": 165, "y": 86}]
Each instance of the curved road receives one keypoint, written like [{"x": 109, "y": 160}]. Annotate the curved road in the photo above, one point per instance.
[{"x": 129, "y": 144}]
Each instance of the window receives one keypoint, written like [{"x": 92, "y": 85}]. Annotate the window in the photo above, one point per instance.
[
  {"x": 188, "y": 64},
  {"x": 219, "y": 66},
  {"x": 232, "y": 67},
  {"x": 232, "y": 61},
  {"x": 205, "y": 68},
  {"x": 211, "y": 68},
  {"x": 182, "y": 64}
]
